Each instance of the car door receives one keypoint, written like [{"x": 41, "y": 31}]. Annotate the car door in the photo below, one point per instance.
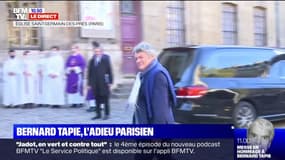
[
  {"x": 236, "y": 72},
  {"x": 277, "y": 75}
]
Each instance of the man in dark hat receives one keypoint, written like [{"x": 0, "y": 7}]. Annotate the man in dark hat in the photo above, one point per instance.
[{"x": 100, "y": 78}]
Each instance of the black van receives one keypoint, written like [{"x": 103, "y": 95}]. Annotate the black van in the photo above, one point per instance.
[{"x": 232, "y": 84}]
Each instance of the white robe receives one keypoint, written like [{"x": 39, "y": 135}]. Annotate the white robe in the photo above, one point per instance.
[
  {"x": 41, "y": 88},
  {"x": 54, "y": 87},
  {"x": 28, "y": 82},
  {"x": 11, "y": 84}
]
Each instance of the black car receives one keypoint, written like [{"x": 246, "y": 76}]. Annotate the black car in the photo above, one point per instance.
[{"x": 231, "y": 84}]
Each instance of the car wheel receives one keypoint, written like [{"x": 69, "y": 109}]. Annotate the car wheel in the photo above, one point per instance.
[{"x": 244, "y": 114}]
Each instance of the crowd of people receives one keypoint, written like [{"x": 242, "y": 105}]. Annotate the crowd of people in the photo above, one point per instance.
[{"x": 50, "y": 80}]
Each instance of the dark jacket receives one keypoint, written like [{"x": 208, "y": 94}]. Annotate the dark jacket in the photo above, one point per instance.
[
  {"x": 156, "y": 97},
  {"x": 100, "y": 75}
]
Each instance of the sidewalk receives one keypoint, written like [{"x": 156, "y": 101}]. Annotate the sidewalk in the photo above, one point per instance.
[{"x": 64, "y": 115}]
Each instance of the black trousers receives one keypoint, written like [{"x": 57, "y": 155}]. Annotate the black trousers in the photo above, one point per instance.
[{"x": 102, "y": 100}]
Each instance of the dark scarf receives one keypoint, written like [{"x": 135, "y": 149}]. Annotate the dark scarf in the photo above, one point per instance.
[{"x": 149, "y": 74}]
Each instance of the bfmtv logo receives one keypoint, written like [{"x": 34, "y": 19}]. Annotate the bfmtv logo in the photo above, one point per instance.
[{"x": 22, "y": 13}]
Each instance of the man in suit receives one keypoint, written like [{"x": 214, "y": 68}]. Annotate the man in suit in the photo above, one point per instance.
[
  {"x": 100, "y": 78},
  {"x": 155, "y": 96}
]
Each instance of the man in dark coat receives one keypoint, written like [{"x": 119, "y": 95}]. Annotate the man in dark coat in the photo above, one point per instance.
[
  {"x": 100, "y": 78},
  {"x": 156, "y": 96}
]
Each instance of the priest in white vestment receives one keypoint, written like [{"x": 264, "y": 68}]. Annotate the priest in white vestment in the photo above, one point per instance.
[
  {"x": 41, "y": 88},
  {"x": 54, "y": 74},
  {"x": 28, "y": 80},
  {"x": 75, "y": 67},
  {"x": 11, "y": 77}
]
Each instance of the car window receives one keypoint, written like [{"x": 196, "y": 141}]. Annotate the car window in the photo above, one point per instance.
[
  {"x": 176, "y": 62},
  {"x": 236, "y": 62},
  {"x": 277, "y": 69},
  {"x": 282, "y": 69}
]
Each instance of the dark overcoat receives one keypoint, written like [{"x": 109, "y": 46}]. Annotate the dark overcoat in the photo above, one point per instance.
[
  {"x": 100, "y": 75},
  {"x": 156, "y": 97}
]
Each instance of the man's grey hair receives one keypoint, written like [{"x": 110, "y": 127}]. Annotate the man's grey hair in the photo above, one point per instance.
[
  {"x": 264, "y": 124},
  {"x": 144, "y": 47}
]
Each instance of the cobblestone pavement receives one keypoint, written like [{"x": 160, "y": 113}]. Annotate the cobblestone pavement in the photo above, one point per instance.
[{"x": 64, "y": 115}]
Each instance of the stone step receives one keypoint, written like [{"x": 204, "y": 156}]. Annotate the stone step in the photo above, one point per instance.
[
  {"x": 125, "y": 85},
  {"x": 122, "y": 90},
  {"x": 129, "y": 76},
  {"x": 119, "y": 95}
]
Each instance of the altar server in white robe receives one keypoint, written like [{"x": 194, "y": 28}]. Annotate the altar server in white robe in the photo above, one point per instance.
[
  {"x": 28, "y": 80},
  {"x": 11, "y": 77},
  {"x": 41, "y": 86},
  {"x": 54, "y": 73}
]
